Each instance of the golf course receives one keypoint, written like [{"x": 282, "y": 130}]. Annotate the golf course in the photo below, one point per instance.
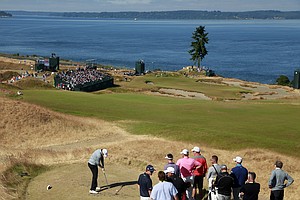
[{"x": 47, "y": 135}]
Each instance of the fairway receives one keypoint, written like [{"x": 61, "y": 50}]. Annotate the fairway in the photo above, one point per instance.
[
  {"x": 235, "y": 125},
  {"x": 212, "y": 88}
]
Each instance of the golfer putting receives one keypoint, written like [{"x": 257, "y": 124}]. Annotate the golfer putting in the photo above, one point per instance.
[{"x": 97, "y": 159}]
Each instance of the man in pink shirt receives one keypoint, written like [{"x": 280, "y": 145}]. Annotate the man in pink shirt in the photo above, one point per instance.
[{"x": 187, "y": 165}]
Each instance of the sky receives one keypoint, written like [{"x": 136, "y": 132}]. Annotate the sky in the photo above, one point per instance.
[{"x": 148, "y": 5}]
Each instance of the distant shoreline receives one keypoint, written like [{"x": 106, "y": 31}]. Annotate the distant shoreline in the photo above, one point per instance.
[{"x": 173, "y": 15}]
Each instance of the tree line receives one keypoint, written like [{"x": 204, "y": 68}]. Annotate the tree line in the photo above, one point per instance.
[{"x": 186, "y": 14}]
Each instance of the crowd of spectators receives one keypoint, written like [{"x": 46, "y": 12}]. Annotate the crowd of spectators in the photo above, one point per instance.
[
  {"x": 78, "y": 78},
  {"x": 21, "y": 76},
  {"x": 187, "y": 176}
]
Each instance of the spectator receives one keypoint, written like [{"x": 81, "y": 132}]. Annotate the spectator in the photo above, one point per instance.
[
  {"x": 177, "y": 182},
  {"x": 251, "y": 189},
  {"x": 240, "y": 175},
  {"x": 80, "y": 77},
  {"x": 145, "y": 183},
  {"x": 187, "y": 165},
  {"x": 277, "y": 181},
  {"x": 163, "y": 190},
  {"x": 224, "y": 183},
  {"x": 211, "y": 176},
  {"x": 170, "y": 163},
  {"x": 199, "y": 173}
]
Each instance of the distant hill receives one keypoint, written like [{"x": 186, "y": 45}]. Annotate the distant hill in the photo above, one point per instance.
[
  {"x": 180, "y": 14},
  {"x": 186, "y": 14},
  {"x": 34, "y": 13},
  {"x": 5, "y": 14}
]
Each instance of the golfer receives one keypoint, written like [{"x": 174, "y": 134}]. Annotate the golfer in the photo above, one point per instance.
[{"x": 97, "y": 159}]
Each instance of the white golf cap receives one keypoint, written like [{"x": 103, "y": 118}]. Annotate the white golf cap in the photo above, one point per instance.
[
  {"x": 169, "y": 156},
  {"x": 105, "y": 153},
  {"x": 170, "y": 170},
  {"x": 184, "y": 152},
  {"x": 238, "y": 159},
  {"x": 196, "y": 149}
]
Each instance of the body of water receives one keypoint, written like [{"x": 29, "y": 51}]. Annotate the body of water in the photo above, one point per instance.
[{"x": 252, "y": 50}]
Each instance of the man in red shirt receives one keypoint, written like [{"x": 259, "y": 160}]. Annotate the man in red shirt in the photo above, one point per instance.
[{"x": 199, "y": 173}]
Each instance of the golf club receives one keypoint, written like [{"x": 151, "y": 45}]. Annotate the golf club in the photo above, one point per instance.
[
  {"x": 117, "y": 191},
  {"x": 105, "y": 178}
]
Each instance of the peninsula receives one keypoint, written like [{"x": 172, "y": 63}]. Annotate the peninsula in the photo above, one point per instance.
[{"x": 5, "y": 14}]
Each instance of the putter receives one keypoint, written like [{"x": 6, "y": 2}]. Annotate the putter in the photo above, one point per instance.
[{"x": 117, "y": 191}]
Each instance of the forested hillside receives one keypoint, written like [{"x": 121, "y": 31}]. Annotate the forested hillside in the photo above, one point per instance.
[{"x": 186, "y": 14}]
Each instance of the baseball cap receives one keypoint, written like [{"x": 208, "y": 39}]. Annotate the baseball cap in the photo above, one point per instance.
[
  {"x": 184, "y": 152},
  {"x": 238, "y": 159},
  {"x": 196, "y": 149},
  {"x": 223, "y": 167},
  {"x": 169, "y": 156},
  {"x": 105, "y": 153},
  {"x": 170, "y": 170},
  {"x": 150, "y": 168}
]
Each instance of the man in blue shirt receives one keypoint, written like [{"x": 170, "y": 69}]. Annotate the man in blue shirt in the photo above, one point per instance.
[
  {"x": 240, "y": 175},
  {"x": 145, "y": 183}
]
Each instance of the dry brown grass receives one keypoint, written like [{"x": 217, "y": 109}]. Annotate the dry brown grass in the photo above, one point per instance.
[
  {"x": 15, "y": 64},
  {"x": 46, "y": 137},
  {"x": 248, "y": 85},
  {"x": 264, "y": 93}
]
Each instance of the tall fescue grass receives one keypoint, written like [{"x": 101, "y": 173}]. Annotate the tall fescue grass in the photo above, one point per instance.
[
  {"x": 16, "y": 178},
  {"x": 33, "y": 137},
  {"x": 33, "y": 83}
]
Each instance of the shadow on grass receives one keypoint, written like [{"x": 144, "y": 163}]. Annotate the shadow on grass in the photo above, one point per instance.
[{"x": 113, "y": 185}]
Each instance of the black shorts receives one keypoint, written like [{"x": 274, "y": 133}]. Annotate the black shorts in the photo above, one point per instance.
[{"x": 198, "y": 182}]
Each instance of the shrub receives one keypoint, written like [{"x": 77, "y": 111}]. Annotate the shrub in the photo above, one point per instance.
[{"x": 283, "y": 80}]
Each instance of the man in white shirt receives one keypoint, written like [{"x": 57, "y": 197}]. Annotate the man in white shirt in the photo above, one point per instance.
[{"x": 211, "y": 176}]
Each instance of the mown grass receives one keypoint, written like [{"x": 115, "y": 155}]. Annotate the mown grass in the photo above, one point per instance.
[
  {"x": 218, "y": 91},
  {"x": 272, "y": 125}
]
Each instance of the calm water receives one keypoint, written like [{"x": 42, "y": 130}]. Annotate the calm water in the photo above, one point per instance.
[{"x": 256, "y": 50}]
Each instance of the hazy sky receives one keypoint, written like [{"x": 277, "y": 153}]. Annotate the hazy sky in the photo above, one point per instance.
[{"x": 149, "y": 5}]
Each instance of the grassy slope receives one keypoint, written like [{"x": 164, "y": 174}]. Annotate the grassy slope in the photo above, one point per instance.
[{"x": 225, "y": 125}]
